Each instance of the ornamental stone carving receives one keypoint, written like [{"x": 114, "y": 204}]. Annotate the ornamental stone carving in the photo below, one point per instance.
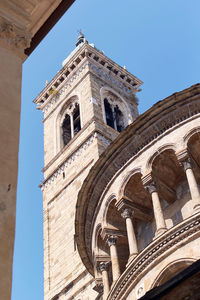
[
  {"x": 111, "y": 240},
  {"x": 14, "y": 36},
  {"x": 127, "y": 213},
  {"x": 151, "y": 187},
  {"x": 103, "y": 266},
  {"x": 186, "y": 164}
]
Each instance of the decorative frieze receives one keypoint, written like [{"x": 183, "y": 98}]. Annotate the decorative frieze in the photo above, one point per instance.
[
  {"x": 14, "y": 36},
  {"x": 55, "y": 98},
  {"x": 73, "y": 157}
]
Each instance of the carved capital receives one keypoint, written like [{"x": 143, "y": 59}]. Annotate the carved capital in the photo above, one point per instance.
[
  {"x": 111, "y": 240},
  {"x": 151, "y": 187},
  {"x": 103, "y": 266},
  {"x": 14, "y": 36},
  {"x": 186, "y": 164},
  {"x": 127, "y": 213}
]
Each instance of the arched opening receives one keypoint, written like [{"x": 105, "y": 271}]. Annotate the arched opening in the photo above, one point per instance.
[
  {"x": 171, "y": 270},
  {"x": 172, "y": 187},
  {"x": 108, "y": 113},
  {"x": 66, "y": 130},
  {"x": 115, "y": 112},
  {"x": 140, "y": 202},
  {"x": 71, "y": 123},
  {"x": 116, "y": 226}
]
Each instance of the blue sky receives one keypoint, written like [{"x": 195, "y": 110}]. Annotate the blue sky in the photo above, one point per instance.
[{"x": 158, "y": 41}]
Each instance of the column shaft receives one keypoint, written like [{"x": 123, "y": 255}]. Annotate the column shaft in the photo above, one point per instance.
[
  {"x": 115, "y": 262},
  {"x": 106, "y": 287},
  {"x": 132, "y": 242},
  {"x": 193, "y": 187}
]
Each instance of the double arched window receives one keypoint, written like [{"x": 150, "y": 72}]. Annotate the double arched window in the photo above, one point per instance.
[
  {"x": 71, "y": 123},
  {"x": 114, "y": 115}
]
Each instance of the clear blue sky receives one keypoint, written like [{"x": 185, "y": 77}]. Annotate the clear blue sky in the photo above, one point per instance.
[{"x": 157, "y": 40}]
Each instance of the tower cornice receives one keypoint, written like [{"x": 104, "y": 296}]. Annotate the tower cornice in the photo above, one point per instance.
[{"x": 86, "y": 53}]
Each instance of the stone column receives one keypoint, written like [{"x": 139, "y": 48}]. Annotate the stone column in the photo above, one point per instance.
[
  {"x": 12, "y": 44},
  {"x": 71, "y": 124},
  {"x": 114, "y": 257},
  {"x": 103, "y": 267},
  {"x": 194, "y": 190},
  {"x": 157, "y": 209},
  {"x": 132, "y": 242}
]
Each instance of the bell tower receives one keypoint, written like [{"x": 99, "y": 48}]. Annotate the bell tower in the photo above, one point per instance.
[{"x": 86, "y": 106}]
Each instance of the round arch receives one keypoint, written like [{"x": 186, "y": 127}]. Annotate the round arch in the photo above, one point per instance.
[
  {"x": 125, "y": 181},
  {"x": 73, "y": 99},
  {"x": 171, "y": 270},
  {"x": 124, "y": 107},
  {"x": 158, "y": 152}
]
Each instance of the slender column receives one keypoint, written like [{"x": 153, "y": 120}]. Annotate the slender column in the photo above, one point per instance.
[
  {"x": 72, "y": 125},
  {"x": 103, "y": 267},
  {"x": 114, "y": 257},
  {"x": 132, "y": 242},
  {"x": 157, "y": 209},
  {"x": 194, "y": 190}
]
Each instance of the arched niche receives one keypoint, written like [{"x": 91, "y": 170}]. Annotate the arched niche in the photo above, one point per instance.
[
  {"x": 171, "y": 270},
  {"x": 172, "y": 186},
  {"x": 138, "y": 199}
]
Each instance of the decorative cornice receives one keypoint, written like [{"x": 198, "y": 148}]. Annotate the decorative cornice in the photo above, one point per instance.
[
  {"x": 99, "y": 63},
  {"x": 152, "y": 254},
  {"x": 14, "y": 36},
  {"x": 67, "y": 84},
  {"x": 110, "y": 79},
  {"x": 71, "y": 158}
]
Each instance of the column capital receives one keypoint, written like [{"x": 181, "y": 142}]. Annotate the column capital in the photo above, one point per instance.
[
  {"x": 151, "y": 187},
  {"x": 103, "y": 266},
  {"x": 111, "y": 240},
  {"x": 186, "y": 163},
  {"x": 127, "y": 213},
  {"x": 14, "y": 37}
]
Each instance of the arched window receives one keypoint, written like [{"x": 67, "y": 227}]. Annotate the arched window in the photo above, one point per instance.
[
  {"x": 114, "y": 116},
  {"x": 71, "y": 124},
  {"x": 66, "y": 130},
  {"x": 109, "y": 113}
]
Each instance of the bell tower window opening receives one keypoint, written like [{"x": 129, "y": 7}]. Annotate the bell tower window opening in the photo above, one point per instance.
[
  {"x": 114, "y": 116},
  {"x": 71, "y": 124},
  {"x": 118, "y": 118},
  {"x": 66, "y": 130},
  {"x": 76, "y": 119},
  {"x": 109, "y": 114}
]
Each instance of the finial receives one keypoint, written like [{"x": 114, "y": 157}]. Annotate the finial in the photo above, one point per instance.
[{"x": 81, "y": 38}]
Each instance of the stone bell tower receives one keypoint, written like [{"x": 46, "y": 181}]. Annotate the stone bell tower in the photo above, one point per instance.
[{"x": 86, "y": 105}]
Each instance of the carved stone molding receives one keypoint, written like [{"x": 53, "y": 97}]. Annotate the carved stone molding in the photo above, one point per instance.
[
  {"x": 151, "y": 187},
  {"x": 14, "y": 36},
  {"x": 186, "y": 164},
  {"x": 70, "y": 159},
  {"x": 103, "y": 266},
  {"x": 152, "y": 254},
  {"x": 127, "y": 213},
  {"x": 111, "y": 240}
]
